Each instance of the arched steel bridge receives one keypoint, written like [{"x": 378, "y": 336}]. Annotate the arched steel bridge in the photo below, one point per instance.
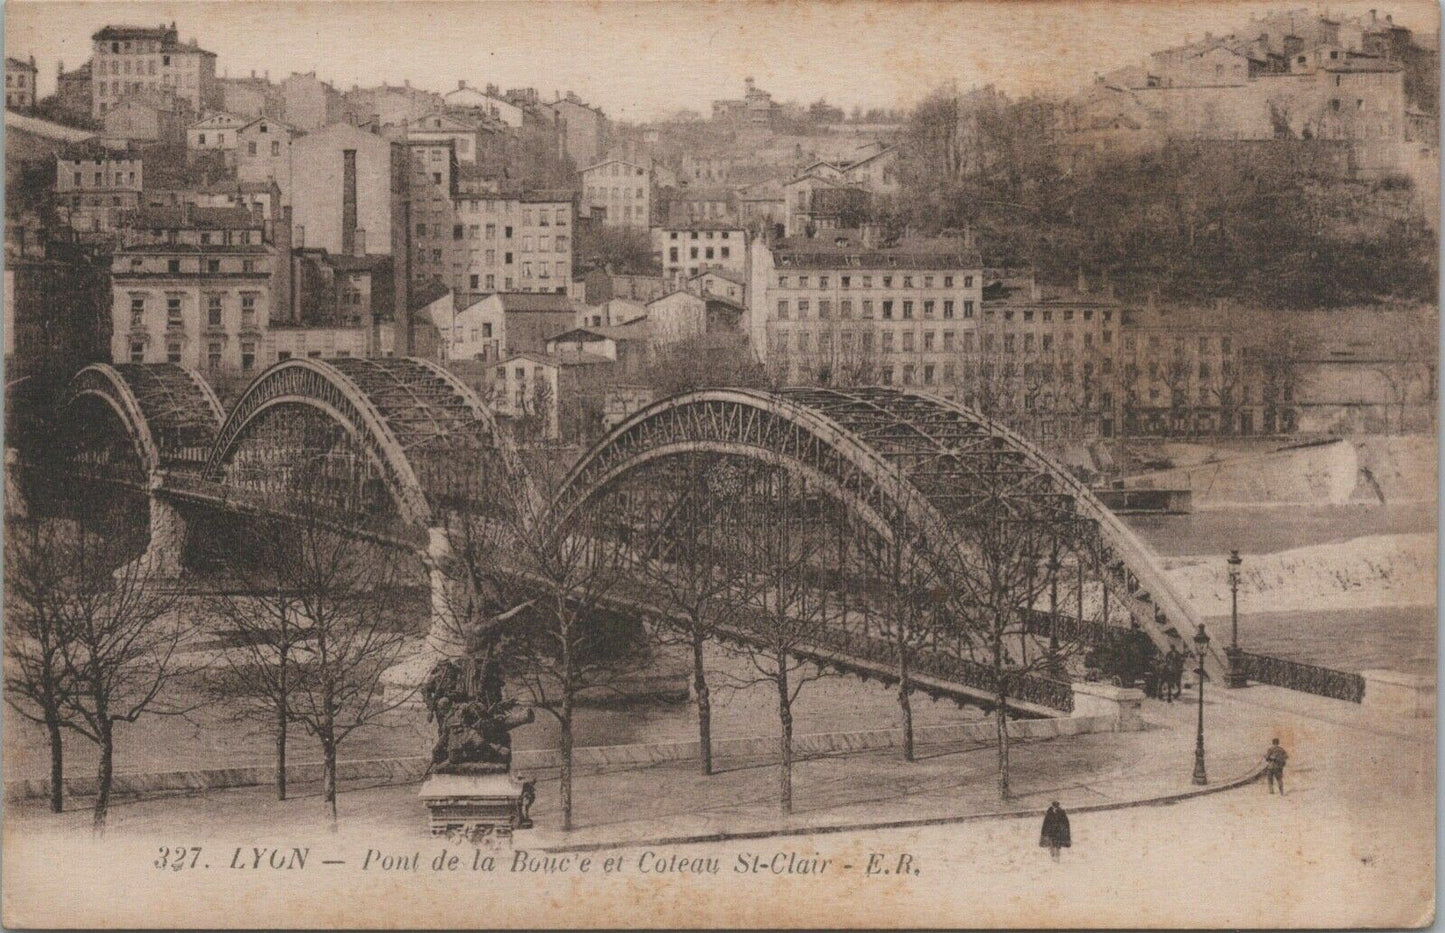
[{"x": 902, "y": 463}]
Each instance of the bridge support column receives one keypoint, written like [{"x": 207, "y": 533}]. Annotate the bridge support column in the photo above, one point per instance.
[
  {"x": 451, "y": 596},
  {"x": 165, "y": 553}
]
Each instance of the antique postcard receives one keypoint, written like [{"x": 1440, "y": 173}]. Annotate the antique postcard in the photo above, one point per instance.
[{"x": 538, "y": 463}]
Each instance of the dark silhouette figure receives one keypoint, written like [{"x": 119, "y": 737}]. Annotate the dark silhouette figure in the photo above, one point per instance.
[
  {"x": 1274, "y": 760},
  {"x": 474, "y": 720},
  {"x": 529, "y": 797},
  {"x": 1174, "y": 682},
  {"x": 1055, "y": 833}
]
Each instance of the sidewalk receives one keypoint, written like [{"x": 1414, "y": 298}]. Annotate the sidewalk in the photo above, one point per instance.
[{"x": 672, "y": 801}]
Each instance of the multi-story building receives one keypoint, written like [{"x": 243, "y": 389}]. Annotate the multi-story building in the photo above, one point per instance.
[
  {"x": 688, "y": 249},
  {"x": 583, "y": 128},
  {"x": 19, "y": 83},
  {"x": 344, "y": 186},
  {"x": 847, "y": 308},
  {"x": 310, "y": 103},
  {"x": 216, "y": 132},
  {"x": 57, "y": 303},
  {"x": 97, "y": 188},
  {"x": 504, "y": 324},
  {"x": 129, "y": 59},
  {"x": 251, "y": 97},
  {"x": 622, "y": 190},
  {"x": 263, "y": 153},
  {"x": 148, "y": 118},
  {"x": 697, "y": 204},
  {"x": 463, "y": 135},
  {"x": 505, "y": 242},
  {"x": 192, "y": 286},
  {"x": 489, "y": 103},
  {"x": 756, "y": 108},
  {"x": 392, "y": 105},
  {"x": 72, "y": 89},
  {"x": 822, "y": 200}
]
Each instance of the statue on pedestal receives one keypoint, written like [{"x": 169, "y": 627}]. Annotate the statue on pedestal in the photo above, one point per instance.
[{"x": 474, "y": 720}]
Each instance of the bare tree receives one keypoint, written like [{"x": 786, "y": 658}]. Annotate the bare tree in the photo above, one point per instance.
[
  {"x": 346, "y": 627},
  {"x": 689, "y": 568},
  {"x": 1005, "y": 545},
  {"x": 567, "y": 568},
  {"x": 38, "y": 577},
  {"x": 122, "y": 646},
  {"x": 266, "y": 633},
  {"x": 784, "y": 610}
]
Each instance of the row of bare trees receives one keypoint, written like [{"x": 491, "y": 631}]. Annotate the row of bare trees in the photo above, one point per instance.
[{"x": 732, "y": 551}]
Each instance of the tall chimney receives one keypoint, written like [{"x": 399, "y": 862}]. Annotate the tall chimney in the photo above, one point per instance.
[
  {"x": 348, "y": 201},
  {"x": 283, "y": 298},
  {"x": 359, "y": 238},
  {"x": 299, "y": 237}
]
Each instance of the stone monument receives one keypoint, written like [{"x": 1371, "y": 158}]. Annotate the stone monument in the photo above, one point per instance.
[{"x": 469, "y": 791}]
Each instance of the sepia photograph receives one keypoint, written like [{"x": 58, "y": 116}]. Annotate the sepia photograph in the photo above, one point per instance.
[{"x": 659, "y": 463}]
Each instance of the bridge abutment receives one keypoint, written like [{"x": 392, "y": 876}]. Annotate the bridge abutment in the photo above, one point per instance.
[
  {"x": 452, "y": 599},
  {"x": 164, "y": 556}
]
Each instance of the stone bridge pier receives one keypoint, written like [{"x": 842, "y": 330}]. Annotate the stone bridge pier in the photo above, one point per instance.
[
  {"x": 164, "y": 556},
  {"x": 452, "y": 598}
]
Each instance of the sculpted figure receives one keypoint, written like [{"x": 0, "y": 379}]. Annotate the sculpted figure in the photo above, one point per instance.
[{"x": 474, "y": 720}]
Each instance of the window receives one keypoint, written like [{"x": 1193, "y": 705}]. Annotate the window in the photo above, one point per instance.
[
  {"x": 173, "y": 353},
  {"x": 173, "y": 265},
  {"x": 213, "y": 266},
  {"x": 908, "y": 341},
  {"x": 251, "y": 148},
  {"x": 802, "y": 308},
  {"x": 213, "y": 355},
  {"x": 137, "y": 351},
  {"x": 283, "y": 355},
  {"x": 928, "y": 308},
  {"x": 137, "y": 311},
  {"x": 845, "y": 308},
  {"x": 825, "y": 308},
  {"x": 928, "y": 340},
  {"x": 783, "y": 309},
  {"x": 173, "y": 312},
  {"x": 888, "y": 341},
  {"x": 867, "y": 307},
  {"x": 907, "y": 310},
  {"x": 887, "y": 310},
  {"x": 968, "y": 281},
  {"x": 213, "y": 310}
]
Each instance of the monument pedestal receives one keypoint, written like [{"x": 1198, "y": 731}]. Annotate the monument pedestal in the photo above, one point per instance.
[{"x": 477, "y": 807}]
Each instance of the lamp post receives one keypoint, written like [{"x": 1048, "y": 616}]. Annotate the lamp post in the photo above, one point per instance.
[
  {"x": 1236, "y": 666},
  {"x": 1201, "y": 644}
]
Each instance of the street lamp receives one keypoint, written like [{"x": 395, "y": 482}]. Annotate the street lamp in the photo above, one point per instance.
[
  {"x": 1236, "y": 666},
  {"x": 1201, "y": 644}
]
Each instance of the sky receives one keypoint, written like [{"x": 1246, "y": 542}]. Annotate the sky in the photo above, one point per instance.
[{"x": 643, "y": 60}]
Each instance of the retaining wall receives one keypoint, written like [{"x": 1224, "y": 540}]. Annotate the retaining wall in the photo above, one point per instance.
[{"x": 532, "y": 761}]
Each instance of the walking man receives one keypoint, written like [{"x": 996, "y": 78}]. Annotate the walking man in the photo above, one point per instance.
[
  {"x": 1175, "y": 662},
  {"x": 1274, "y": 760},
  {"x": 1055, "y": 834}
]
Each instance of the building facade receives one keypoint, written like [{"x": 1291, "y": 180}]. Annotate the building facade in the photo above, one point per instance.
[
  {"x": 19, "y": 83},
  {"x": 192, "y": 286},
  {"x": 130, "y": 59},
  {"x": 97, "y": 188},
  {"x": 689, "y": 249},
  {"x": 622, "y": 190},
  {"x": 215, "y": 133},
  {"x": 263, "y": 153}
]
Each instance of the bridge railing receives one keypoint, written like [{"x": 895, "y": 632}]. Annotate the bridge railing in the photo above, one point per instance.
[{"x": 1306, "y": 678}]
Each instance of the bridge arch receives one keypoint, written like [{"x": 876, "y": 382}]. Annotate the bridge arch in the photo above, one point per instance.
[
  {"x": 897, "y": 459},
  {"x": 169, "y": 414},
  {"x": 420, "y": 425}
]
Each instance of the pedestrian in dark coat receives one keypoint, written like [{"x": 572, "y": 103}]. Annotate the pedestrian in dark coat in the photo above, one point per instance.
[
  {"x": 1274, "y": 760},
  {"x": 1055, "y": 834}
]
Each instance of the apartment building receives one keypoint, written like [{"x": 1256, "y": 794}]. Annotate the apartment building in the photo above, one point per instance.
[
  {"x": 847, "y": 307},
  {"x": 506, "y": 242},
  {"x": 96, "y": 187},
  {"x": 690, "y": 248},
  {"x": 192, "y": 286},
  {"x": 621, "y": 190},
  {"x": 130, "y": 59},
  {"x": 19, "y": 83}
]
